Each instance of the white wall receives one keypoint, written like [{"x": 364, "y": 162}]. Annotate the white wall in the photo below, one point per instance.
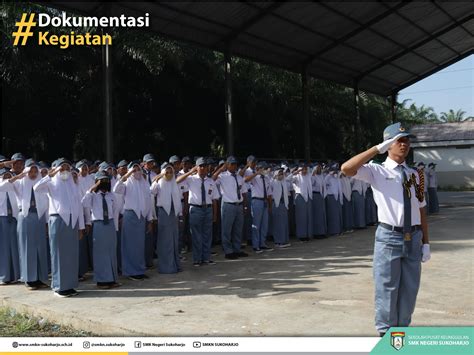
[{"x": 455, "y": 166}]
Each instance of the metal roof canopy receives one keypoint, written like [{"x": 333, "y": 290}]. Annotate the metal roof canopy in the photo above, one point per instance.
[{"x": 382, "y": 47}]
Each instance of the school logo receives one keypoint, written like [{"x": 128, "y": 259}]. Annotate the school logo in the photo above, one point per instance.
[{"x": 397, "y": 340}]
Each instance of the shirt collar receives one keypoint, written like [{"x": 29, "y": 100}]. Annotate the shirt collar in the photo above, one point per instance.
[{"x": 392, "y": 164}]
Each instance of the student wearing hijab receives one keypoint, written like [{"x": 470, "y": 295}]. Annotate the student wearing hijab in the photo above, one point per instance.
[
  {"x": 9, "y": 258},
  {"x": 136, "y": 212},
  {"x": 334, "y": 201},
  {"x": 168, "y": 201},
  {"x": 281, "y": 234},
  {"x": 101, "y": 202},
  {"x": 303, "y": 200},
  {"x": 358, "y": 203},
  {"x": 261, "y": 206},
  {"x": 85, "y": 182},
  {"x": 318, "y": 204},
  {"x": 202, "y": 200},
  {"x": 66, "y": 225},
  {"x": 31, "y": 227},
  {"x": 291, "y": 200}
]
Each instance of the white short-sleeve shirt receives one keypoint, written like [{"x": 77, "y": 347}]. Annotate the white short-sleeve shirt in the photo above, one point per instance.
[{"x": 387, "y": 187}]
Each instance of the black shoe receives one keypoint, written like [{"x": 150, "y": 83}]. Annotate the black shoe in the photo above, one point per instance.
[
  {"x": 265, "y": 248},
  {"x": 40, "y": 284},
  {"x": 196, "y": 264},
  {"x": 31, "y": 286},
  {"x": 231, "y": 256},
  {"x": 241, "y": 254},
  {"x": 72, "y": 292},
  {"x": 210, "y": 262},
  {"x": 62, "y": 294},
  {"x": 137, "y": 277}
]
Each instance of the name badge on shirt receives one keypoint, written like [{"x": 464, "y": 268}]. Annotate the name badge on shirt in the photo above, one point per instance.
[{"x": 389, "y": 178}]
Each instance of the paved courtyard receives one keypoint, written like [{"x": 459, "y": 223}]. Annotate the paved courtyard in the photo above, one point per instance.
[{"x": 320, "y": 288}]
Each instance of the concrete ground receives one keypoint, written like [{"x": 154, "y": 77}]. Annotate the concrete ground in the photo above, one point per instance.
[{"x": 322, "y": 288}]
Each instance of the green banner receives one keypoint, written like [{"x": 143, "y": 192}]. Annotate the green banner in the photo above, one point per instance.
[{"x": 427, "y": 340}]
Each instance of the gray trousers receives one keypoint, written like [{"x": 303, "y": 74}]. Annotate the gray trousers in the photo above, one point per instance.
[
  {"x": 232, "y": 223},
  {"x": 397, "y": 272}
]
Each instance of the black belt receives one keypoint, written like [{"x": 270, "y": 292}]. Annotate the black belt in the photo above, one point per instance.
[
  {"x": 258, "y": 198},
  {"x": 398, "y": 229},
  {"x": 234, "y": 203},
  {"x": 200, "y": 206}
]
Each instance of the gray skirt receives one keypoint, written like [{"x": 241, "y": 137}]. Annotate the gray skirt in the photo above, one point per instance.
[
  {"x": 9, "y": 257},
  {"x": 33, "y": 247},
  {"x": 104, "y": 238}
]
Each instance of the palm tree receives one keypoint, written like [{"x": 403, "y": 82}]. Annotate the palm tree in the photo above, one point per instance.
[{"x": 452, "y": 116}]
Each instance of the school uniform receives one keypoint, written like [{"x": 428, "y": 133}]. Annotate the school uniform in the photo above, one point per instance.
[
  {"x": 86, "y": 243},
  {"x": 150, "y": 237},
  {"x": 358, "y": 203},
  {"x": 136, "y": 212},
  {"x": 319, "y": 205},
  {"x": 202, "y": 193},
  {"x": 280, "y": 201},
  {"x": 66, "y": 218},
  {"x": 9, "y": 254},
  {"x": 32, "y": 239},
  {"x": 232, "y": 216},
  {"x": 303, "y": 202},
  {"x": 104, "y": 234},
  {"x": 260, "y": 190},
  {"x": 334, "y": 202},
  {"x": 168, "y": 201},
  {"x": 247, "y": 189},
  {"x": 398, "y": 242},
  {"x": 291, "y": 205}
]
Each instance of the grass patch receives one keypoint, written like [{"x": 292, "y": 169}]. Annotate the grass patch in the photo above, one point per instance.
[{"x": 14, "y": 324}]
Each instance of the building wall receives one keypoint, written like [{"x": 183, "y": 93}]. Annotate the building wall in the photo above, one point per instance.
[{"x": 455, "y": 166}]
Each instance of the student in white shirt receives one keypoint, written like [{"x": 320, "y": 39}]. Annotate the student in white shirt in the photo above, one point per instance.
[
  {"x": 101, "y": 202},
  {"x": 401, "y": 239},
  {"x": 66, "y": 225},
  {"x": 203, "y": 196},
  {"x": 261, "y": 193},
  {"x": 85, "y": 181},
  {"x": 136, "y": 221},
  {"x": 281, "y": 233},
  {"x": 31, "y": 227},
  {"x": 9, "y": 258},
  {"x": 232, "y": 213},
  {"x": 168, "y": 201},
  {"x": 334, "y": 201},
  {"x": 303, "y": 202},
  {"x": 318, "y": 204}
]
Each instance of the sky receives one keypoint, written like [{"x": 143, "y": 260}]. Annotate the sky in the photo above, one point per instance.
[{"x": 450, "y": 88}]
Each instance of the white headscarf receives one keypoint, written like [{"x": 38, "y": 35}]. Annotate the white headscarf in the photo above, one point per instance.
[
  {"x": 279, "y": 187},
  {"x": 137, "y": 196},
  {"x": 65, "y": 196},
  {"x": 167, "y": 191}
]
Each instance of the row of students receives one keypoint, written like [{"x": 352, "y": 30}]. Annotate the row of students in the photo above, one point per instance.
[{"x": 115, "y": 210}]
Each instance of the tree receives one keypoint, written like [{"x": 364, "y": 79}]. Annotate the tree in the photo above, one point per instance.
[{"x": 452, "y": 116}]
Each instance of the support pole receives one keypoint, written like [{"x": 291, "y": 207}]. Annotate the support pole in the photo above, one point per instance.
[
  {"x": 228, "y": 101},
  {"x": 305, "y": 97},
  {"x": 108, "y": 122},
  {"x": 393, "y": 106},
  {"x": 356, "y": 129}
]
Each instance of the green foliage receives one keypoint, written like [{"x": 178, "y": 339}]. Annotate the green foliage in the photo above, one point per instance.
[{"x": 168, "y": 98}]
